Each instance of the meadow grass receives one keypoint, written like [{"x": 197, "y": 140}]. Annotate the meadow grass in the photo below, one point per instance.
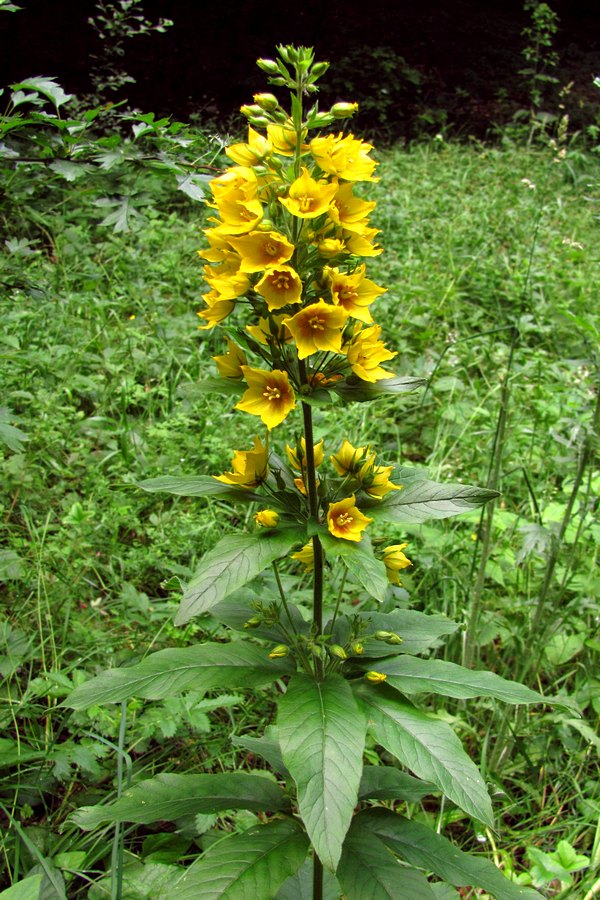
[{"x": 490, "y": 264}]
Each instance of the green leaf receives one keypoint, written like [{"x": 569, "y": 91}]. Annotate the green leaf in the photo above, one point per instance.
[
  {"x": 418, "y": 631},
  {"x": 300, "y": 885},
  {"x": 368, "y": 871},
  {"x": 234, "y": 612},
  {"x": 196, "y": 486},
  {"x": 217, "y": 385},
  {"x": 28, "y": 889},
  {"x": 266, "y": 746},
  {"x": 387, "y": 783},
  {"x": 171, "y": 797},
  {"x": 12, "y": 437},
  {"x": 422, "y": 499},
  {"x": 245, "y": 866},
  {"x": 46, "y": 86},
  {"x": 70, "y": 171},
  {"x": 422, "y": 847},
  {"x": 428, "y": 747},
  {"x": 413, "y": 675},
  {"x": 365, "y": 390},
  {"x": 204, "y": 667},
  {"x": 322, "y": 736},
  {"x": 360, "y": 561},
  {"x": 234, "y": 561}
]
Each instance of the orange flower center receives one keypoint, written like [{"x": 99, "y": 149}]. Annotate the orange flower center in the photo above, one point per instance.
[
  {"x": 348, "y": 294},
  {"x": 270, "y": 249},
  {"x": 272, "y": 393},
  {"x": 281, "y": 282},
  {"x": 344, "y": 520},
  {"x": 316, "y": 323},
  {"x": 305, "y": 203}
]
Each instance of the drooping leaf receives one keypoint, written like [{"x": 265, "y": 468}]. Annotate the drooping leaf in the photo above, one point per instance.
[
  {"x": 387, "y": 783},
  {"x": 356, "y": 389},
  {"x": 422, "y": 499},
  {"x": 418, "y": 631},
  {"x": 197, "y": 486},
  {"x": 322, "y": 734},
  {"x": 245, "y": 866},
  {"x": 368, "y": 871},
  {"x": 171, "y": 797},
  {"x": 428, "y": 747},
  {"x": 361, "y": 562},
  {"x": 420, "y": 846},
  {"x": 235, "y": 561},
  {"x": 266, "y": 746},
  {"x": 46, "y": 86},
  {"x": 413, "y": 675},
  {"x": 205, "y": 667}
]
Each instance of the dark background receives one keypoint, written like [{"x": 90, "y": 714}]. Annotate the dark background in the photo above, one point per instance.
[{"x": 460, "y": 69}]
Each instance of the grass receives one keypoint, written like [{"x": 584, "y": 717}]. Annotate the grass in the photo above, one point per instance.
[{"x": 491, "y": 282}]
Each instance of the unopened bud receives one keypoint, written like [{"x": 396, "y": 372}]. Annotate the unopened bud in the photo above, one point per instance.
[
  {"x": 279, "y": 651},
  {"x": 319, "y": 69},
  {"x": 375, "y": 677},
  {"x": 394, "y": 639},
  {"x": 338, "y": 651},
  {"x": 268, "y": 65},
  {"x": 357, "y": 648},
  {"x": 251, "y": 110},
  {"x": 383, "y": 635},
  {"x": 254, "y": 622},
  {"x": 343, "y": 110},
  {"x": 267, "y": 102}
]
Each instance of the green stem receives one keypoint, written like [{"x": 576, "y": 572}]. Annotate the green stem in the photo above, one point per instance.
[{"x": 317, "y": 878}]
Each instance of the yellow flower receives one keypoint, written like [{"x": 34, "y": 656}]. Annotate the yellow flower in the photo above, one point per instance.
[
  {"x": 345, "y": 520},
  {"x": 230, "y": 364},
  {"x": 216, "y": 310},
  {"x": 344, "y": 157},
  {"x": 308, "y": 198},
  {"x": 237, "y": 183},
  {"x": 394, "y": 560},
  {"x": 268, "y": 518},
  {"x": 362, "y": 244},
  {"x": 283, "y": 138},
  {"x": 280, "y": 286},
  {"x": 220, "y": 248},
  {"x": 375, "y": 480},
  {"x": 268, "y": 329},
  {"x": 238, "y": 216},
  {"x": 306, "y": 556},
  {"x": 329, "y": 248},
  {"x": 249, "y": 467},
  {"x": 257, "y": 148},
  {"x": 353, "y": 292},
  {"x": 348, "y": 459},
  {"x": 269, "y": 395},
  {"x": 317, "y": 327},
  {"x": 366, "y": 351},
  {"x": 262, "y": 249},
  {"x": 228, "y": 283},
  {"x": 375, "y": 677},
  {"x": 297, "y": 457},
  {"x": 350, "y": 212}
]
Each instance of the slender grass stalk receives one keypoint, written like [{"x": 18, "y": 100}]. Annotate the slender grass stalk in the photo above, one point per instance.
[{"x": 116, "y": 891}]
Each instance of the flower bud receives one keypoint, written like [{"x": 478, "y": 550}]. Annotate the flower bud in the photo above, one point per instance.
[
  {"x": 279, "y": 651},
  {"x": 319, "y": 69},
  {"x": 254, "y": 622},
  {"x": 268, "y": 518},
  {"x": 330, "y": 248},
  {"x": 343, "y": 110},
  {"x": 375, "y": 677},
  {"x": 383, "y": 635},
  {"x": 338, "y": 651},
  {"x": 394, "y": 639},
  {"x": 268, "y": 102},
  {"x": 268, "y": 65},
  {"x": 252, "y": 110},
  {"x": 357, "y": 648}
]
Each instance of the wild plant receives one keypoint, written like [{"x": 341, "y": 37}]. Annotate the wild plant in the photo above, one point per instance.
[{"x": 310, "y": 597}]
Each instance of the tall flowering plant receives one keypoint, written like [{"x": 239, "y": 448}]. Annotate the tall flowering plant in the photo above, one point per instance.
[{"x": 288, "y": 286}]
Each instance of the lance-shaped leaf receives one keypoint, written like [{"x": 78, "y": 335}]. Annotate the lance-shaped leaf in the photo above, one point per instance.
[
  {"x": 413, "y": 675},
  {"x": 368, "y": 871},
  {"x": 171, "y": 797},
  {"x": 361, "y": 562},
  {"x": 300, "y": 885},
  {"x": 245, "y": 866},
  {"x": 420, "y": 846},
  {"x": 418, "y": 631},
  {"x": 233, "y": 562},
  {"x": 428, "y": 747},
  {"x": 322, "y": 736},
  {"x": 387, "y": 783},
  {"x": 205, "y": 667},
  {"x": 196, "y": 486},
  {"x": 266, "y": 746},
  {"x": 356, "y": 389},
  {"x": 236, "y": 609},
  {"x": 422, "y": 499}
]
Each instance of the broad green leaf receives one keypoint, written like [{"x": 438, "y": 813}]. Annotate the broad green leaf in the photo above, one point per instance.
[
  {"x": 234, "y": 561},
  {"x": 420, "y": 846},
  {"x": 235, "y": 612},
  {"x": 171, "y": 797},
  {"x": 70, "y": 171},
  {"x": 418, "y": 631},
  {"x": 422, "y": 499},
  {"x": 217, "y": 385},
  {"x": 322, "y": 735},
  {"x": 361, "y": 562},
  {"x": 365, "y": 390},
  {"x": 248, "y": 866},
  {"x": 266, "y": 746},
  {"x": 387, "y": 783},
  {"x": 413, "y": 675},
  {"x": 300, "y": 885},
  {"x": 368, "y": 871},
  {"x": 46, "y": 86},
  {"x": 11, "y": 436},
  {"x": 141, "y": 881},
  {"x": 28, "y": 889},
  {"x": 196, "y": 486},
  {"x": 428, "y": 747},
  {"x": 205, "y": 667}
]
